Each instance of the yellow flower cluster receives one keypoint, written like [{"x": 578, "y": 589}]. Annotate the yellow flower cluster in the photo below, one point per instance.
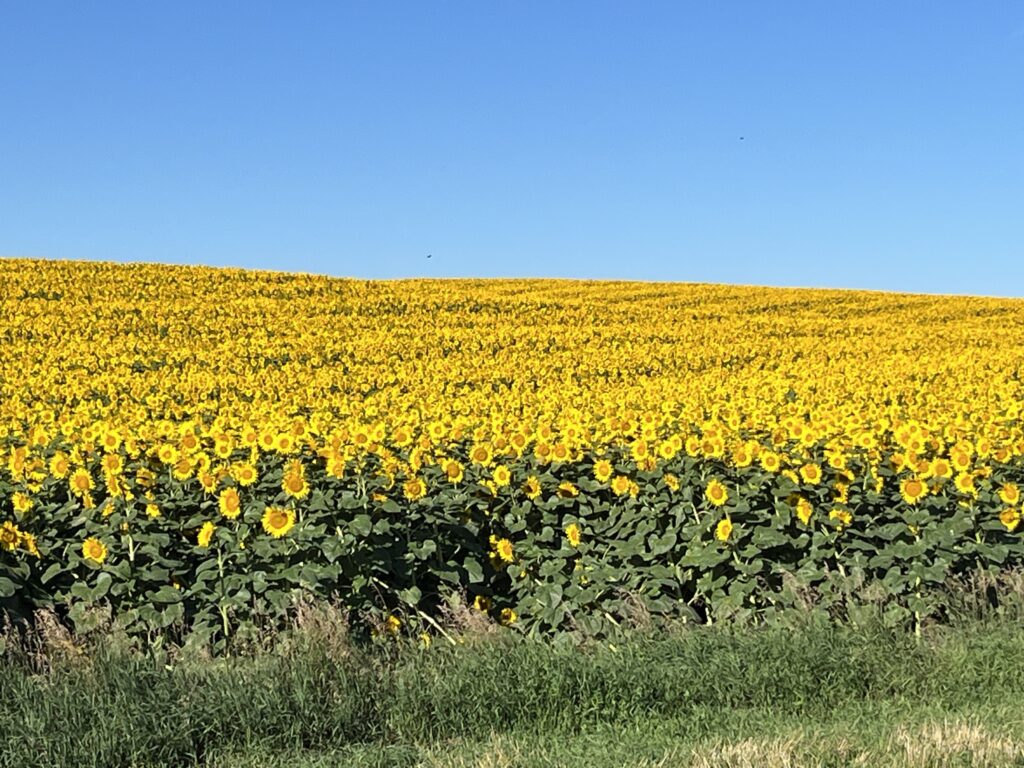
[{"x": 172, "y": 359}]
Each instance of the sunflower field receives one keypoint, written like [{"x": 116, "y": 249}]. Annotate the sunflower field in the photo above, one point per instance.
[{"x": 200, "y": 448}]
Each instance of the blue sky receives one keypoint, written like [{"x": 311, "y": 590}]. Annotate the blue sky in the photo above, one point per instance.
[{"x": 857, "y": 144}]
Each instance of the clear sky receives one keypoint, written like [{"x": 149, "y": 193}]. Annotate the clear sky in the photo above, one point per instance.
[{"x": 850, "y": 144}]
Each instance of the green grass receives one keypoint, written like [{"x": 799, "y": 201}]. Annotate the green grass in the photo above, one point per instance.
[
  {"x": 817, "y": 695},
  {"x": 867, "y": 735}
]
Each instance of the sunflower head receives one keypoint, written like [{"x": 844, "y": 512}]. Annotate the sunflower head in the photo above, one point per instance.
[
  {"x": 567, "y": 490},
  {"x": 229, "y": 503},
  {"x": 81, "y": 482},
  {"x": 621, "y": 485},
  {"x": 716, "y": 493},
  {"x": 1010, "y": 518},
  {"x": 572, "y": 534},
  {"x": 414, "y": 488},
  {"x": 205, "y": 534},
  {"x": 1009, "y": 493},
  {"x": 10, "y": 536},
  {"x": 913, "y": 489},
  {"x": 502, "y": 548},
  {"x": 501, "y": 476},
  {"x": 532, "y": 487},
  {"x": 244, "y": 473},
  {"x": 277, "y": 521},
  {"x": 804, "y": 510},
  {"x": 95, "y": 550}
]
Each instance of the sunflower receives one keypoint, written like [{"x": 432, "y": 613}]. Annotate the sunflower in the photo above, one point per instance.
[
  {"x": 804, "y": 510},
  {"x": 336, "y": 465},
  {"x": 481, "y": 455},
  {"x": 244, "y": 473},
  {"x": 205, "y": 534},
  {"x": 723, "y": 529},
  {"x": 229, "y": 503},
  {"x": 453, "y": 470},
  {"x": 223, "y": 447},
  {"x": 647, "y": 463},
  {"x": 167, "y": 454},
  {"x": 501, "y": 476},
  {"x": 116, "y": 486},
  {"x": 961, "y": 460},
  {"x": 81, "y": 482},
  {"x": 603, "y": 470},
  {"x": 507, "y": 617},
  {"x": 266, "y": 440},
  {"x": 183, "y": 469},
  {"x": 532, "y": 487},
  {"x": 414, "y": 488},
  {"x": 941, "y": 469},
  {"x": 716, "y": 493},
  {"x": 208, "y": 481},
  {"x": 1009, "y": 494},
  {"x": 94, "y": 549},
  {"x": 28, "y": 543},
  {"x": 671, "y": 481},
  {"x": 189, "y": 442},
  {"x": 840, "y": 515},
  {"x": 811, "y": 473},
  {"x": 770, "y": 461},
  {"x": 21, "y": 502},
  {"x": 964, "y": 483},
  {"x": 837, "y": 460},
  {"x": 1010, "y": 517},
  {"x": 10, "y": 536},
  {"x": 112, "y": 463},
  {"x": 518, "y": 442},
  {"x": 621, "y": 485},
  {"x": 639, "y": 450},
  {"x": 667, "y": 450},
  {"x": 59, "y": 465},
  {"x": 401, "y": 437},
  {"x": 294, "y": 485},
  {"x": 567, "y": 490},
  {"x": 152, "y": 511},
  {"x": 572, "y": 533},
  {"x": 482, "y": 603},
  {"x": 277, "y": 521},
  {"x": 145, "y": 477},
  {"x": 913, "y": 489},
  {"x": 713, "y": 447},
  {"x": 502, "y": 548},
  {"x": 293, "y": 482}
]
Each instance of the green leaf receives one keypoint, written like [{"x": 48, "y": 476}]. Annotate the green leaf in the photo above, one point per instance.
[{"x": 166, "y": 594}]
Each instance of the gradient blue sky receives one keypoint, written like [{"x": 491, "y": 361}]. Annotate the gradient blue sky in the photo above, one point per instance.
[{"x": 882, "y": 142}]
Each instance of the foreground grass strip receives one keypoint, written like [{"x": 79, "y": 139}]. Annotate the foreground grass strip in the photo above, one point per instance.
[
  {"x": 664, "y": 695},
  {"x": 887, "y": 738}
]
